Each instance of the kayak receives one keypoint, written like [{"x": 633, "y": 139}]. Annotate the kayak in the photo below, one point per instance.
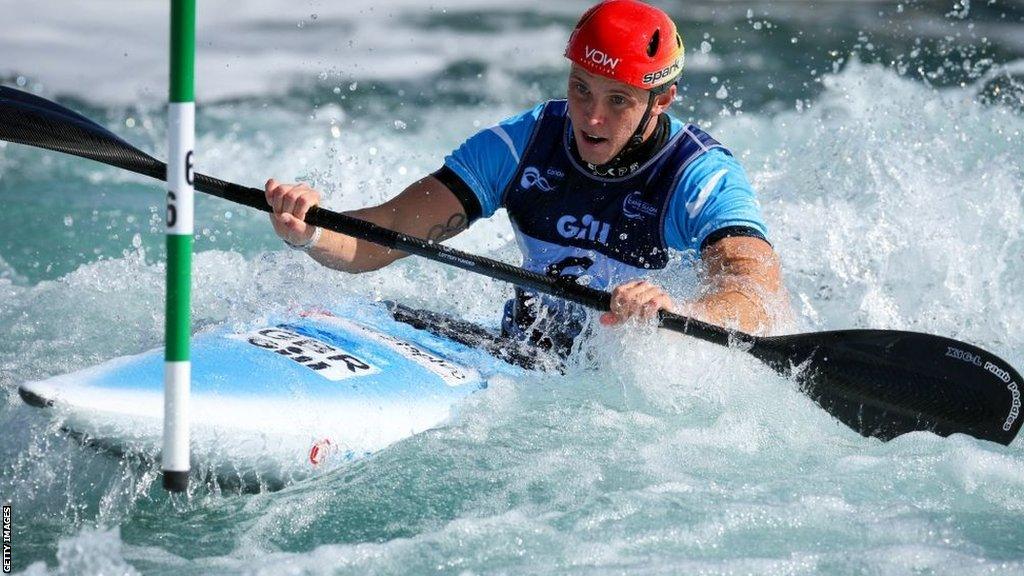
[{"x": 292, "y": 395}]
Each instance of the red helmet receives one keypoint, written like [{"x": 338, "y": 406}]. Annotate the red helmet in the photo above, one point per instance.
[{"x": 629, "y": 41}]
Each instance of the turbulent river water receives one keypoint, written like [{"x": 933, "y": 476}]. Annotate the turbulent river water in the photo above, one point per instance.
[{"x": 884, "y": 140}]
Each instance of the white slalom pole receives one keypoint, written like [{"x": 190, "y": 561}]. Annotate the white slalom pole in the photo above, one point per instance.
[{"x": 181, "y": 140}]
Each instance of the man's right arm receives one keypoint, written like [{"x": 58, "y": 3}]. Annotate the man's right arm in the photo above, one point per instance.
[
  {"x": 426, "y": 209},
  {"x": 467, "y": 187}
]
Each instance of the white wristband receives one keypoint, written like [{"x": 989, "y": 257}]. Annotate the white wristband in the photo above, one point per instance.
[{"x": 308, "y": 244}]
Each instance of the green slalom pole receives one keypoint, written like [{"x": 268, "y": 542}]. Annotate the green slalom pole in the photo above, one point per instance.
[{"x": 181, "y": 140}]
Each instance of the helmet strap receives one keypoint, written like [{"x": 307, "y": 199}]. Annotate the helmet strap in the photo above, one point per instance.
[
  {"x": 638, "y": 135},
  {"x": 637, "y": 138}
]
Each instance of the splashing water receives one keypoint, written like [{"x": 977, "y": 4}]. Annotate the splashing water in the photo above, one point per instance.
[{"x": 894, "y": 198}]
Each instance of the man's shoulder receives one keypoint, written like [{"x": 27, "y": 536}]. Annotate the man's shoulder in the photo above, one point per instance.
[
  {"x": 698, "y": 154},
  {"x": 713, "y": 159},
  {"x": 515, "y": 130},
  {"x": 675, "y": 125},
  {"x": 693, "y": 135},
  {"x": 530, "y": 116},
  {"x": 707, "y": 164}
]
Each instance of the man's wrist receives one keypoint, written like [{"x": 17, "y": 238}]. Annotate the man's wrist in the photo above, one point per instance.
[
  {"x": 308, "y": 244},
  {"x": 688, "y": 308}
]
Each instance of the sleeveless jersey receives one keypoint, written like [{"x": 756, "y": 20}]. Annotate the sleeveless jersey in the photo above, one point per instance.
[{"x": 592, "y": 230}]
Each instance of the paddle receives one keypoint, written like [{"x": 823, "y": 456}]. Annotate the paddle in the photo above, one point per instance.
[{"x": 881, "y": 383}]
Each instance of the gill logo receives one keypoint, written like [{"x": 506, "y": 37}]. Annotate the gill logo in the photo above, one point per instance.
[
  {"x": 586, "y": 228},
  {"x": 601, "y": 59}
]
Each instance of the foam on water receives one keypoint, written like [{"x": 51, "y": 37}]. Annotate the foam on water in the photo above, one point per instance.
[
  {"x": 869, "y": 188},
  {"x": 893, "y": 204}
]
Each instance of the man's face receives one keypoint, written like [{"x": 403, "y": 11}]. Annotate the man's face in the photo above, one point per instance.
[{"x": 604, "y": 114}]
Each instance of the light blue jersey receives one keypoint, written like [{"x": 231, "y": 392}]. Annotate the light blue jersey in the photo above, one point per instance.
[
  {"x": 713, "y": 192},
  {"x": 596, "y": 230}
]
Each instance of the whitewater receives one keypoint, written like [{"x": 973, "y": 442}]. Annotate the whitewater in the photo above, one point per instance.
[{"x": 884, "y": 141}]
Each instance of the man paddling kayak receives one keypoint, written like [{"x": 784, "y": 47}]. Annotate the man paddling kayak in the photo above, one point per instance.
[{"x": 599, "y": 187}]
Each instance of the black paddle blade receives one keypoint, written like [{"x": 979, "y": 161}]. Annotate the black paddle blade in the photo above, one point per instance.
[
  {"x": 28, "y": 119},
  {"x": 884, "y": 383}
]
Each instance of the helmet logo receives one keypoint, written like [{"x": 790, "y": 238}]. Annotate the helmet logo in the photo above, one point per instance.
[
  {"x": 667, "y": 72},
  {"x": 601, "y": 59}
]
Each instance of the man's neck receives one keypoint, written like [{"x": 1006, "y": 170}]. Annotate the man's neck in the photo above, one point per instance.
[{"x": 629, "y": 161}]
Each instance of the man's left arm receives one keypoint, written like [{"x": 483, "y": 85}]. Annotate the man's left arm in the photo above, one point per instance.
[
  {"x": 715, "y": 211},
  {"x": 743, "y": 288}
]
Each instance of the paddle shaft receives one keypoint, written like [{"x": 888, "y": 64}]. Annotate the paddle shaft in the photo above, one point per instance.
[{"x": 555, "y": 286}]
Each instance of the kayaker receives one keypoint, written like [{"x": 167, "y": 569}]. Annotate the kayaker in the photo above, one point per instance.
[{"x": 599, "y": 188}]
